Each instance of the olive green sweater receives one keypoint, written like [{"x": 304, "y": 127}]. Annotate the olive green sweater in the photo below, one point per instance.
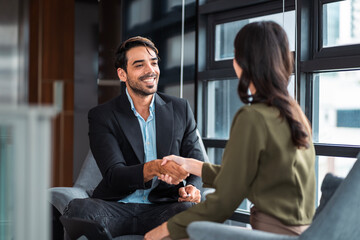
[{"x": 260, "y": 163}]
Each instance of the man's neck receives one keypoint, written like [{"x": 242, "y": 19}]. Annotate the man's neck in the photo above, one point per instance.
[{"x": 141, "y": 104}]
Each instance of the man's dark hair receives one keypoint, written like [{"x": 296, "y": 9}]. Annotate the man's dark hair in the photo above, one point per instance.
[{"x": 120, "y": 55}]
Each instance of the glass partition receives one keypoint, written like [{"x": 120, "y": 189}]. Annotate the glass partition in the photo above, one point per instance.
[
  {"x": 25, "y": 144},
  {"x": 6, "y": 178}
]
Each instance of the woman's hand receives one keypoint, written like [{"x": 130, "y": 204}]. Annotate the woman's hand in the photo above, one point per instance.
[
  {"x": 158, "y": 233},
  {"x": 190, "y": 165},
  {"x": 172, "y": 158},
  {"x": 179, "y": 160}
]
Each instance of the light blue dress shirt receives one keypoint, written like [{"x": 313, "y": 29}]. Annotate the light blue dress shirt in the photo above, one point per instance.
[{"x": 148, "y": 131}]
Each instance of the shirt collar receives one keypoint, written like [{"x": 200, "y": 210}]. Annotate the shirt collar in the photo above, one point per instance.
[{"x": 151, "y": 108}]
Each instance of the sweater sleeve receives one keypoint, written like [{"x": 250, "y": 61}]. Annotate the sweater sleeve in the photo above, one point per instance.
[
  {"x": 208, "y": 174},
  {"x": 238, "y": 169}
]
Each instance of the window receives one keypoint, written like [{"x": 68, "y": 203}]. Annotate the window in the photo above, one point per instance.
[
  {"x": 336, "y": 112},
  {"x": 223, "y": 103},
  {"x": 225, "y": 33},
  {"x": 335, "y": 165},
  {"x": 340, "y": 23},
  {"x": 328, "y": 89},
  {"x": 215, "y": 155}
]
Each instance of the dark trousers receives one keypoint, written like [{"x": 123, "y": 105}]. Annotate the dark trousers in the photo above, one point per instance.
[{"x": 124, "y": 218}]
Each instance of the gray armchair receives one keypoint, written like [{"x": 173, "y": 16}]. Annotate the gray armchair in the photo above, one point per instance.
[
  {"x": 338, "y": 216},
  {"x": 85, "y": 184}
]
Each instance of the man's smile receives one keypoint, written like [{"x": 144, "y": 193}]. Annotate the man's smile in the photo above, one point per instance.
[{"x": 148, "y": 78}]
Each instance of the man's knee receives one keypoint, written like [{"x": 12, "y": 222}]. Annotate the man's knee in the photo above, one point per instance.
[
  {"x": 178, "y": 207},
  {"x": 81, "y": 208},
  {"x": 182, "y": 206}
]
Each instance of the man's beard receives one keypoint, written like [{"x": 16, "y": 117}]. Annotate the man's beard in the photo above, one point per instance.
[{"x": 139, "y": 89}]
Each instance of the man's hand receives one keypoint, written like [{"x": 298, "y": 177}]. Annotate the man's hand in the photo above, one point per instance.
[
  {"x": 174, "y": 172},
  {"x": 169, "y": 160},
  {"x": 189, "y": 193},
  {"x": 190, "y": 165}
]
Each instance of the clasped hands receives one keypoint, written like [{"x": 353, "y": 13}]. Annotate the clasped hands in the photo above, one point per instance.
[{"x": 172, "y": 170}]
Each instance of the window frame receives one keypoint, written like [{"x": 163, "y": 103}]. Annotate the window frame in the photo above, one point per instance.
[
  {"x": 313, "y": 59},
  {"x": 247, "y": 12}
]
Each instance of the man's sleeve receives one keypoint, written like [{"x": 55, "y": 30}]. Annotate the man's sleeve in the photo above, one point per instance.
[{"x": 104, "y": 145}]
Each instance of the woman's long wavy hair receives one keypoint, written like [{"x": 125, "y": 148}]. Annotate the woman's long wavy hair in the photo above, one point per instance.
[{"x": 262, "y": 51}]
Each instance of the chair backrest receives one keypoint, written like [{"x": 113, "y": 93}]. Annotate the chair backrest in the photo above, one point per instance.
[
  {"x": 328, "y": 188},
  {"x": 89, "y": 176},
  {"x": 341, "y": 216},
  {"x": 203, "y": 149}
]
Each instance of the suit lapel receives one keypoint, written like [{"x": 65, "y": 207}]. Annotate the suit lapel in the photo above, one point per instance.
[
  {"x": 130, "y": 125},
  {"x": 164, "y": 126}
]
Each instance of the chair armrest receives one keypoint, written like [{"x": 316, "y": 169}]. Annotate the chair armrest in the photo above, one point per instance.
[
  {"x": 212, "y": 231},
  {"x": 61, "y": 196},
  {"x": 205, "y": 192}
]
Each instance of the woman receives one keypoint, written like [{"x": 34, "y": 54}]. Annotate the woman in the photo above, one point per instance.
[{"x": 269, "y": 157}]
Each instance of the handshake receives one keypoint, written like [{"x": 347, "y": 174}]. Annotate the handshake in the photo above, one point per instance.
[
  {"x": 170, "y": 169},
  {"x": 173, "y": 170}
]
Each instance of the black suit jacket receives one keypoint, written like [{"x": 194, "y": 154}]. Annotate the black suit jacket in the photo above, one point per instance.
[{"x": 117, "y": 145}]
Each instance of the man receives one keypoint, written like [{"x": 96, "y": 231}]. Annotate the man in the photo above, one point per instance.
[{"x": 128, "y": 137}]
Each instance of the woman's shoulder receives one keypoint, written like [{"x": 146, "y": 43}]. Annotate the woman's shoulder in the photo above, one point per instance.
[
  {"x": 248, "y": 113},
  {"x": 259, "y": 109},
  {"x": 258, "y": 114}
]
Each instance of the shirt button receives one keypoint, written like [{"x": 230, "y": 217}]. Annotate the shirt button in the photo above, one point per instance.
[{"x": 148, "y": 143}]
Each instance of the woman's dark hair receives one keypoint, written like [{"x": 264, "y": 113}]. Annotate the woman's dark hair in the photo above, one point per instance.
[
  {"x": 120, "y": 55},
  {"x": 262, "y": 51}
]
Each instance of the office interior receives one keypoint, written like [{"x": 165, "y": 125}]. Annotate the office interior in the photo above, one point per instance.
[{"x": 57, "y": 62}]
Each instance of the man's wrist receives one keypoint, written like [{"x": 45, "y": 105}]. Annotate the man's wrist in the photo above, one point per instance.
[{"x": 151, "y": 169}]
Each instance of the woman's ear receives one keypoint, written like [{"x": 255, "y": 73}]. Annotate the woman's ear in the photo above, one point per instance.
[
  {"x": 252, "y": 88},
  {"x": 237, "y": 68},
  {"x": 122, "y": 74}
]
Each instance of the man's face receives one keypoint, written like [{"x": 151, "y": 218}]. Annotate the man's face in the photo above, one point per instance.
[{"x": 143, "y": 71}]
